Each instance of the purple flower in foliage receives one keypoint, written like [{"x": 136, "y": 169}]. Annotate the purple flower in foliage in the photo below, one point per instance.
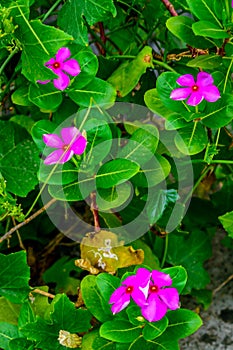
[
  {"x": 196, "y": 91},
  {"x": 61, "y": 65},
  {"x": 131, "y": 288},
  {"x": 71, "y": 142},
  {"x": 160, "y": 298}
]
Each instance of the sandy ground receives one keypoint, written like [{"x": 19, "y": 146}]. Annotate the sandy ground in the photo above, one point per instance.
[{"x": 217, "y": 330}]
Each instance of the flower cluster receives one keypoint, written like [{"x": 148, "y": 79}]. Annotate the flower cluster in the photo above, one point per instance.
[
  {"x": 62, "y": 66},
  {"x": 149, "y": 290},
  {"x": 71, "y": 142},
  {"x": 203, "y": 88}
]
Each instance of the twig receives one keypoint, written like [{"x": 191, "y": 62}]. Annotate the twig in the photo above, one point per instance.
[
  {"x": 25, "y": 222},
  {"x": 216, "y": 290},
  {"x": 170, "y": 7},
  {"x": 95, "y": 212},
  {"x": 41, "y": 292},
  {"x": 18, "y": 234},
  {"x": 102, "y": 37}
]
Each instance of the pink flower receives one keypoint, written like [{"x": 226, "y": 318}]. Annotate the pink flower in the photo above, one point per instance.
[
  {"x": 160, "y": 298},
  {"x": 131, "y": 287},
  {"x": 71, "y": 142},
  {"x": 203, "y": 88},
  {"x": 61, "y": 65}
]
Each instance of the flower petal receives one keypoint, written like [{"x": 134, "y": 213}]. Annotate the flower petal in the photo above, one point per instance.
[
  {"x": 143, "y": 276},
  {"x": 62, "y": 54},
  {"x": 180, "y": 94},
  {"x": 139, "y": 297},
  {"x": 195, "y": 98},
  {"x": 211, "y": 94},
  {"x": 50, "y": 62},
  {"x": 58, "y": 156},
  {"x": 79, "y": 145},
  {"x": 155, "y": 310},
  {"x": 62, "y": 82},
  {"x": 117, "y": 294},
  {"x": 204, "y": 79},
  {"x": 170, "y": 297},
  {"x": 53, "y": 140},
  {"x": 70, "y": 134},
  {"x": 121, "y": 303},
  {"x": 71, "y": 67},
  {"x": 161, "y": 279},
  {"x": 43, "y": 81},
  {"x": 186, "y": 80}
]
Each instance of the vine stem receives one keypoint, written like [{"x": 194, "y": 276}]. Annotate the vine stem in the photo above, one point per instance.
[
  {"x": 165, "y": 251},
  {"x": 203, "y": 175},
  {"x": 95, "y": 212},
  {"x": 170, "y": 7},
  {"x": 47, "y": 14},
  {"x": 227, "y": 75},
  {"x": 25, "y": 222},
  {"x": 16, "y": 49},
  {"x": 164, "y": 65},
  {"x": 41, "y": 292}
]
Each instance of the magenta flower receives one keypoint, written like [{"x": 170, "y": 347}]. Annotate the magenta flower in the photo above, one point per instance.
[
  {"x": 160, "y": 298},
  {"x": 203, "y": 88},
  {"x": 71, "y": 142},
  {"x": 131, "y": 287},
  {"x": 62, "y": 66}
]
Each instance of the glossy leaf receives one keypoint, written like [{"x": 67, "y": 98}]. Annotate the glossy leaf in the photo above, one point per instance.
[
  {"x": 227, "y": 222},
  {"x": 206, "y": 28},
  {"x": 7, "y": 333},
  {"x": 191, "y": 139},
  {"x": 204, "y": 10},
  {"x": 113, "y": 330},
  {"x": 14, "y": 277},
  {"x": 46, "y": 97},
  {"x": 206, "y": 62},
  {"x": 153, "y": 330},
  {"x": 115, "y": 172}
]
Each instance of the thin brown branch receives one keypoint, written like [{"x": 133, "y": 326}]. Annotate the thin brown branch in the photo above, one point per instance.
[
  {"x": 25, "y": 222},
  {"x": 95, "y": 212},
  {"x": 216, "y": 290},
  {"x": 170, "y": 7},
  {"x": 18, "y": 234},
  {"x": 41, "y": 292}
]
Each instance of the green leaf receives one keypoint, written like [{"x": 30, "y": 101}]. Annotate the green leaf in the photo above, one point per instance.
[
  {"x": 115, "y": 172},
  {"x": 190, "y": 252},
  {"x": 20, "y": 96},
  {"x": 99, "y": 136},
  {"x": 94, "y": 11},
  {"x": 206, "y": 62},
  {"x": 40, "y": 43},
  {"x": 19, "y": 167},
  {"x": 63, "y": 174},
  {"x": 182, "y": 323},
  {"x": 26, "y": 314},
  {"x": 21, "y": 344},
  {"x": 120, "y": 331},
  {"x": 181, "y": 27},
  {"x": 7, "y": 333},
  {"x": 97, "y": 92},
  {"x": 227, "y": 222},
  {"x": 178, "y": 275},
  {"x": 191, "y": 139},
  {"x": 157, "y": 205},
  {"x": 153, "y": 172},
  {"x": 63, "y": 317},
  {"x": 93, "y": 341},
  {"x": 125, "y": 78},
  {"x": 206, "y": 28},
  {"x": 111, "y": 198},
  {"x": 89, "y": 65},
  {"x": 9, "y": 311},
  {"x": 24, "y": 121},
  {"x": 14, "y": 277},
  {"x": 40, "y": 128},
  {"x": 93, "y": 299},
  {"x": 204, "y": 10},
  {"x": 219, "y": 113},
  {"x": 173, "y": 120},
  {"x": 153, "y": 330},
  {"x": 46, "y": 97},
  {"x": 107, "y": 284},
  {"x": 141, "y": 146}
]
